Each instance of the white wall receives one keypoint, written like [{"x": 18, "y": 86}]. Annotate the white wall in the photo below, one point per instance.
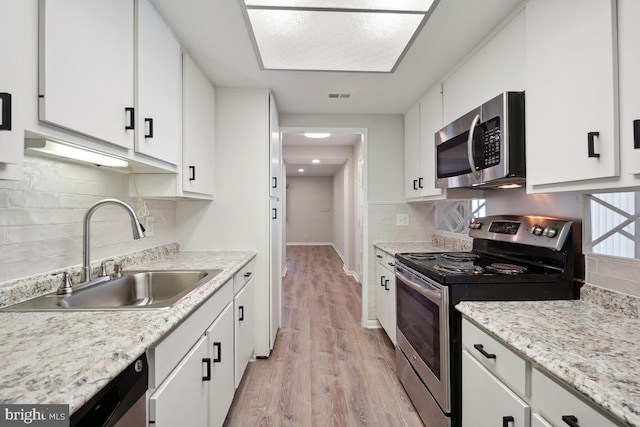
[
  {"x": 310, "y": 210},
  {"x": 41, "y": 217}
]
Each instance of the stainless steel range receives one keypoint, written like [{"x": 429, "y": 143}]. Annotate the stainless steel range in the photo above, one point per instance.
[{"x": 513, "y": 258}]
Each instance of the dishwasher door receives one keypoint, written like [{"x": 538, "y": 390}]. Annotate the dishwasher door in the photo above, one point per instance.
[{"x": 121, "y": 403}]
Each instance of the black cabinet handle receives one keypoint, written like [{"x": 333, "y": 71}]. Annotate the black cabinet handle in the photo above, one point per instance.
[
  {"x": 217, "y": 347},
  {"x": 192, "y": 173},
  {"x": 275, "y": 213},
  {"x": 506, "y": 420},
  {"x": 381, "y": 280},
  {"x": 386, "y": 282},
  {"x": 241, "y": 311},
  {"x": 570, "y": 420},
  {"x": 391, "y": 264},
  {"x": 379, "y": 256},
  {"x": 207, "y": 361},
  {"x": 420, "y": 182},
  {"x": 274, "y": 180},
  {"x": 149, "y": 123},
  {"x": 132, "y": 118},
  {"x": 6, "y": 111},
  {"x": 415, "y": 184},
  {"x": 636, "y": 134},
  {"x": 591, "y": 137},
  {"x": 481, "y": 349},
  {"x": 248, "y": 274}
]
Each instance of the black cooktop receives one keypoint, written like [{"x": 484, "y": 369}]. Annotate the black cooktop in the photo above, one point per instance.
[{"x": 471, "y": 267}]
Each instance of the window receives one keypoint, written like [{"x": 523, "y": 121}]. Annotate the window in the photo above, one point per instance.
[
  {"x": 612, "y": 222},
  {"x": 455, "y": 216}
]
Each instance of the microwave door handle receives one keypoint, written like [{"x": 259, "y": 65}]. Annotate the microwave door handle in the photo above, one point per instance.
[
  {"x": 434, "y": 295},
  {"x": 472, "y": 162}
]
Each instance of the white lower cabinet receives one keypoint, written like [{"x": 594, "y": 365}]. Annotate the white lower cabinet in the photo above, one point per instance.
[
  {"x": 244, "y": 328},
  {"x": 221, "y": 387},
  {"x": 500, "y": 387},
  {"x": 486, "y": 401},
  {"x": 386, "y": 293}
]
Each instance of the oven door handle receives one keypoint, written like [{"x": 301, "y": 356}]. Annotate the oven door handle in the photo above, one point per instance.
[
  {"x": 472, "y": 162},
  {"x": 424, "y": 288}
]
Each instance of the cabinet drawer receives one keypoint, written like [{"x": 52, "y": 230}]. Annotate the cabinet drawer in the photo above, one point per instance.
[
  {"x": 554, "y": 402},
  {"x": 496, "y": 357},
  {"x": 386, "y": 260},
  {"x": 243, "y": 276}
]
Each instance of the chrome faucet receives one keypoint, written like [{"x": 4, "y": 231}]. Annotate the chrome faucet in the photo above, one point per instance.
[{"x": 138, "y": 233}]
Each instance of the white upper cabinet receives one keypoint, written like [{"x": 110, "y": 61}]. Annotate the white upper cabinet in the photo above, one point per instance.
[
  {"x": 198, "y": 134},
  {"x": 86, "y": 67},
  {"x": 158, "y": 87},
  {"x": 12, "y": 92},
  {"x": 275, "y": 149},
  {"x": 411, "y": 151},
  {"x": 629, "y": 66},
  {"x": 571, "y": 95},
  {"x": 497, "y": 66}
]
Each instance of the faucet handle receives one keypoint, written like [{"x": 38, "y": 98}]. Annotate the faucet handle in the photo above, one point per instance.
[
  {"x": 103, "y": 267},
  {"x": 117, "y": 270},
  {"x": 66, "y": 285}
]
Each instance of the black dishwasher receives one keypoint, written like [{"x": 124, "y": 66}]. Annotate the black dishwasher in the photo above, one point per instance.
[{"x": 121, "y": 403}]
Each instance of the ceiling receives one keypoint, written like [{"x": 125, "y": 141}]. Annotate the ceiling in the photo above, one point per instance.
[
  {"x": 215, "y": 34},
  {"x": 331, "y": 160}
]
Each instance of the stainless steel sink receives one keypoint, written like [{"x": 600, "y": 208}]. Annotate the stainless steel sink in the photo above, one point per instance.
[{"x": 135, "y": 290}]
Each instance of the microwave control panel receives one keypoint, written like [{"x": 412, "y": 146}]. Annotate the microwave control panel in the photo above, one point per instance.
[{"x": 491, "y": 142}]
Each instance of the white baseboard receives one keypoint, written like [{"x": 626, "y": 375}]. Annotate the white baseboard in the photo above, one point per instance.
[
  {"x": 350, "y": 273},
  {"x": 284, "y": 271},
  {"x": 372, "y": 324}
]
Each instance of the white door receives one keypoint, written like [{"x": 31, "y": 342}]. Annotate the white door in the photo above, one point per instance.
[
  {"x": 86, "y": 67},
  {"x": 571, "y": 97},
  {"x": 275, "y": 285},
  {"x": 182, "y": 399},
  {"x": 158, "y": 87}
]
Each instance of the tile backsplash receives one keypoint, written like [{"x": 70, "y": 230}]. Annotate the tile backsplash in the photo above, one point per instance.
[
  {"x": 615, "y": 273},
  {"x": 41, "y": 217}
]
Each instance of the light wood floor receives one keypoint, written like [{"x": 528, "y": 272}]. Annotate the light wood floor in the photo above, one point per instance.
[{"x": 325, "y": 369}]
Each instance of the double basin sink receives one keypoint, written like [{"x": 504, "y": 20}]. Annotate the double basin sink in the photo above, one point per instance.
[{"x": 135, "y": 290}]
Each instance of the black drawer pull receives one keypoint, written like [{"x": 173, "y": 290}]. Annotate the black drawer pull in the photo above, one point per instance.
[
  {"x": 506, "y": 420},
  {"x": 132, "y": 119},
  {"x": 570, "y": 420},
  {"x": 391, "y": 264},
  {"x": 591, "y": 137},
  {"x": 481, "y": 349},
  {"x": 274, "y": 211},
  {"x": 241, "y": 311},
  {"x": 149, "y": 133},
  {"x": 6, "y": 111},
  {"x": 192, "y": 173},
  {"x": 386, "y": 282},
  {"x": 420, "y": 182},
  {"x": 415, "y": 184},
  {"x": 207, "y": 361},
  {"x": 247, "y": 274},
  {"x": 379, "y": 256},
  {"x": 217, "y": 346},
  {"x": 381, "y": 280},
  {"x": 636, "y": 134},
  {"x": 275, "y": 182}
]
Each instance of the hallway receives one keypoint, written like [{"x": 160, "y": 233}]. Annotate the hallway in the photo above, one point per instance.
[{"x": 325, "y": 368}]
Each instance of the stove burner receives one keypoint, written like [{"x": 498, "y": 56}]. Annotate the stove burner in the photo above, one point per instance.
[
  {"x": 459, "y": 256},
  {"x": 503, "y": 268},
  {"x": 457, "y": 268},
  {"x": 421, "y": 257}
]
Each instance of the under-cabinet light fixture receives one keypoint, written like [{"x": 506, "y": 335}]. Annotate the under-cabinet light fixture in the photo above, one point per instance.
[
  {"x": 506, "y": 186},
  {"x": 58, "y": 149},
  {"x": 335, "y": 35}
]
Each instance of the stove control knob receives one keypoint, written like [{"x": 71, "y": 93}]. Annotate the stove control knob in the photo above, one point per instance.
[
  {"x": 475, "y": 225},
  {"x": 550, "y": 232},
  {"x": 536, "y": 229}
]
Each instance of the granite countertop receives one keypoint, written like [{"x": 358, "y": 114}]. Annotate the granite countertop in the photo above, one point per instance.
[
  {"x": 591, "y": 344},
  {"x": 393, "y": 248},
  {"x": 67, "y": 357}
]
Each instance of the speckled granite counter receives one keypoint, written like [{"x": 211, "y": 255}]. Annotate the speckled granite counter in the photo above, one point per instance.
[
  {"x": 66, "y": 357},
  {"x": 438, "y": 243},
  {"x": 592, "y": 344}
]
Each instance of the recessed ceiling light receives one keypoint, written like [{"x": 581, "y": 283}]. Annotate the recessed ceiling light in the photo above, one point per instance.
[
  {"x": 315, "y": 161},
  {"x": 369, "y": 36},
  {"x": 317, "y": 135},
  {"x": 300, "y": 170}
]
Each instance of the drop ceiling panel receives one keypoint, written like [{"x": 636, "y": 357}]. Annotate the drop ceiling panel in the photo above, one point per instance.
[{"x": 406, "y": 5}]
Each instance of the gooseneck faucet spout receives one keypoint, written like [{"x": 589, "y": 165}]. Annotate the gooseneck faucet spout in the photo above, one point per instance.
[{"x": 138, "y": 232}]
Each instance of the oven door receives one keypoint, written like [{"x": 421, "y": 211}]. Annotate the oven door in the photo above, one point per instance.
[{"x": 423, "y": 330}]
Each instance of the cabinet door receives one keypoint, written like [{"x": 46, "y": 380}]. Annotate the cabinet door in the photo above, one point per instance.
[
  {"x": 198, "y": 119},
  {"x": 538, "y": 421},
  {"x": 244, "y": 329},
  {"x": 275, "y": 149},
  {"x": 182, "y": 399},
  {"x": 629, "y": 64},
  {"x": 381, "y": 295},
  {"x": 390, "y": 290},
  {"x": 571, "y": 91},
  {"x": 412, "y": 151},
  {"x": 220, "y": 343},
  {"x": 158, "y": 87},
  {"x": 430, "y": 123},
  {"x": 275, "y": 269},
  {"x": 487, "y": 402},
  {"x": 86, "y": 67},
  {"x": 12, "y": 26}
]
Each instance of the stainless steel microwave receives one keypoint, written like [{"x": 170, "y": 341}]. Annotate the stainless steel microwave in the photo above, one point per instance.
[{"x": 485, "y": 147}]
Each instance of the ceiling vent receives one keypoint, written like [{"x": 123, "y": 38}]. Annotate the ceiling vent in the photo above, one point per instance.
[{"x": 339, "y": 95}]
